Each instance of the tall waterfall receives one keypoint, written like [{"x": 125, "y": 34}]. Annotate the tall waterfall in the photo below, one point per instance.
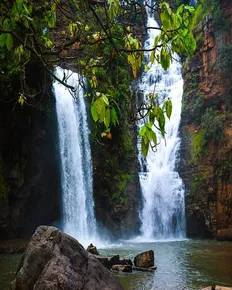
[
  {"x": 76, "y": 163},
  {"x": 162, "y": 215}
]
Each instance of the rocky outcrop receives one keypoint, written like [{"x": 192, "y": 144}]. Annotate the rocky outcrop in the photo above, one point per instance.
[
  {"x": 54, "y": 260},
  {"x": 116, "y": 181},
  {"x": 206, "y": 149}
]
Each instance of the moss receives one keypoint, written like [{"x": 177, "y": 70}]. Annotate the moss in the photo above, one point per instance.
[
  {"x": 122, "y": 181},
  {"x": 198, "y": 145},
  {"x": 127, "y": 143},
  {"x": 199, "y": 182}
]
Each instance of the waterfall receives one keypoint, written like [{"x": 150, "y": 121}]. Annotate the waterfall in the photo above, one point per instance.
[
  {"x": 76, "y": 164},
  {"x": 162, "y": 215}
]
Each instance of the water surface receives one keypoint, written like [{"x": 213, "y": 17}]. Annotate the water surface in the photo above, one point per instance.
[{"x": 186, "y": 264}]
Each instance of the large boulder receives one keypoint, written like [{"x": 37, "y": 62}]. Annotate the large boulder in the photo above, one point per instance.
[
  {"x": 145, "y": 259},
  {"x": 55, "y": 261},
  {"x": 224, "y": 235}
]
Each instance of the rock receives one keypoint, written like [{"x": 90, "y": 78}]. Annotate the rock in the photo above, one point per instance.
[
  {"x": 145, "y": 259},
  {"x": 103, "y": 260},
  {"x": 92, "y": 249},
  {"x": 224, "y": 235},
  {"x": 217, "y": 287},
  {"x": 114, "y": 260},
  {"x": 56, "y": 261},
  {"x": 153, "y": 268},
  {"x": 150, "y": 269},
  {"x": 122, "y": 268},
  {"x": 125, "y": 262}
]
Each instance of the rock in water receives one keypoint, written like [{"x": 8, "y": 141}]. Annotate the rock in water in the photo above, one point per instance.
[
  {"x": 114, "y": 260},
  {"x": 145, "y": 259},
  {"x": 55, "y": 261},
  {"x": 92, "y": 249}
]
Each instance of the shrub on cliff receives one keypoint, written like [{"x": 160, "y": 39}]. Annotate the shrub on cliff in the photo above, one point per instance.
[{"x": 211, "y": 126}]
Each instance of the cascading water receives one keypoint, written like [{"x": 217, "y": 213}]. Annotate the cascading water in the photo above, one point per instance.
[
  {"x": 162, "y": 215},
  {"x": 76, "y": 163}
]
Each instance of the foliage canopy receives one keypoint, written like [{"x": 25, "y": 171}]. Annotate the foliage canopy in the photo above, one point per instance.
[{"x": 97, "y": 36}]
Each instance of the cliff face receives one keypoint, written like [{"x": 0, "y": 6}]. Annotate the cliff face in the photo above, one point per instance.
[
  {"x": 116, "y": 181},
  {"x": 206, "y": 150},
  {"x": 29, "y": 170}
]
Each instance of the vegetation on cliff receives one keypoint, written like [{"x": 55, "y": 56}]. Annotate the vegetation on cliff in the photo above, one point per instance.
[{"x": 206, "y": 118}]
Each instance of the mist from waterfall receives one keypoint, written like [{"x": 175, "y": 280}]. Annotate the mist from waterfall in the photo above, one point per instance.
[
  {"x": 163, "y": 211},
  {"x": 75, "y": 156}
]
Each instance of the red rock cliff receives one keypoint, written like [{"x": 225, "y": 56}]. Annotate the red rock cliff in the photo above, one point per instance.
[{"x": 206, "y": 129}]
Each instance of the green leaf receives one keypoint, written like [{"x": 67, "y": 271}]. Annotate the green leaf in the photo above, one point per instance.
[
  {"x": 103, "y": 112},
  {"x": 156, "y": 41},
  {"x": 9, "y": 41},
  {"x": 144, "y": 146},
  {"x": 151, "y": 117},
  {"x": 180, "y": 9},
  {"x": 154, "y": 138},
  {"x": 152, "y": 57},
  {"x": 146, "y": 140},
  {"x": 94, "y": 111},
  {"x": 142, "y": 131},
  {"x": 3, "y": 39},
  {"x": 161, "y": 121},
  {"x": 107, "y": 118},
  {"x": 191, "y": 9},
  {"x": 114, "y": 117},
  {"x": 186, "y": 22},
  {"x": 148, "y": 133},
  {"x": 21, "y": 100},
  {"x": 165, "y": 59},
  {"x": 105, "y": 99},
  {"x": 169, "y": 108},
  {"x": 156, "y": 110},
  {"x": 99, "y": 103},
  {"x": 184, "y": 32}
]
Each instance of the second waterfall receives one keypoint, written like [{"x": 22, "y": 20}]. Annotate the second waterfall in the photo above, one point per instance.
[
  {"x": 76, "y": 164},
  {"x": 163, "y": 213}
]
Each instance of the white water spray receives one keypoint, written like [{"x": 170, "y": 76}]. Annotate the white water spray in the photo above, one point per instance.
[
  {"x": 162, "y": 215},
  {"x": 76, "y": 163}
]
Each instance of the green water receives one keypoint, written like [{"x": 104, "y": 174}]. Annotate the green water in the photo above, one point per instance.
[
  {"x": 189, "y": 264},
  {"x": 8, "y": 267}
]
